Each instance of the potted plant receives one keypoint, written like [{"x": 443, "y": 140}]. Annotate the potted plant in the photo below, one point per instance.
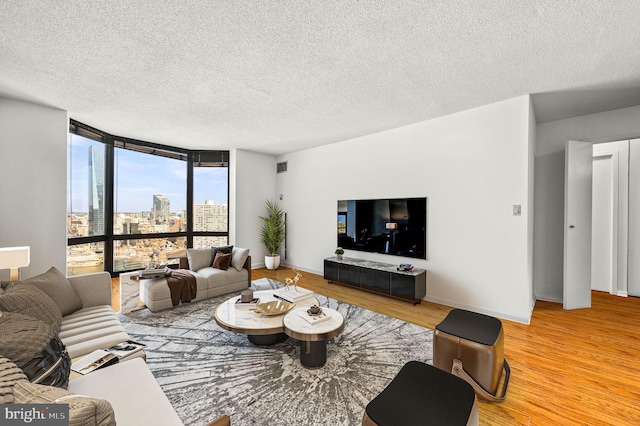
[
  {"x": 339, "y": 253},
  {"x": 272, "y": 233}
]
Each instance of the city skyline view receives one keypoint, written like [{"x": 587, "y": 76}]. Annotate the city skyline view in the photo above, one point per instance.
[
  {"x": 149, "y": 198},
  {"x": 139, "y": 176}
]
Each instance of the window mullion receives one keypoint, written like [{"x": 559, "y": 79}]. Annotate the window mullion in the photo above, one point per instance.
[
  {"x": 190, "y": 215},
  {"x": 108, "y": 205}
]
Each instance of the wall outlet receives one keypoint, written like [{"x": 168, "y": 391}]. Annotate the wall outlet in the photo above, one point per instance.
[{"x": 517, "y": 209}]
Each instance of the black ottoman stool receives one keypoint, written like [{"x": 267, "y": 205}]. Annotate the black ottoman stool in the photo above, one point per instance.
[
  {"x": 421, "y": 394},
  {"x": 471, "y": 346}
]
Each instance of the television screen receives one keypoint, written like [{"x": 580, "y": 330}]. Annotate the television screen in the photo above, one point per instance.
[{"x": 395, "y": 226}]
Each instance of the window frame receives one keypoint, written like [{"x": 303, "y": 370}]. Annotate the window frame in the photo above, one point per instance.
[{"x": 207, "y": 158}]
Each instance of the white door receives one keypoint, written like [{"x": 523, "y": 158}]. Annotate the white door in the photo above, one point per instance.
[{"x": 577, "y": 225}]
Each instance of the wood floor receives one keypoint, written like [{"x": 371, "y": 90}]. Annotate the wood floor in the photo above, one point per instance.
[{"x": 577, "y": 367}]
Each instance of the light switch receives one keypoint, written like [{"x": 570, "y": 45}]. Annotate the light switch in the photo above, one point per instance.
[{"x": 517, "y": 210}]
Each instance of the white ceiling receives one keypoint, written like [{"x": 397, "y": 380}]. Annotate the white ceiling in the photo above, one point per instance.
[{"x": 281, "y": 76}]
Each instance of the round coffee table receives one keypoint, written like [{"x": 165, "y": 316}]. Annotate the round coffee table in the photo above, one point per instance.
[
  {"x": 262, "y": 330},
  {"x": 313, "y": 337}
]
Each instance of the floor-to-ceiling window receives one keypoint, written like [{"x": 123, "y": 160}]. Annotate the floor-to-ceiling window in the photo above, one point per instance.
[
  {"x": 210, "y": 199},
  {"x": 133, "y": 204},
  {"x": 85, "y": 202},
  {"x": 150, "y": 197}
]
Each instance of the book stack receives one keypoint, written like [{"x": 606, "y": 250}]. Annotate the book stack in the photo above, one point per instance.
[
  {"x": 252, "y": 303},
  {"x": 292, "y": 295},
  {"x": 153, "y": 273},
  {"x": 96, "y": 359},
  {"x": 126, "y": 350},
  {"x": 405, "y": 267},
  {"x": 103, "y": 357},
  {"x": 313, "y": 319}
]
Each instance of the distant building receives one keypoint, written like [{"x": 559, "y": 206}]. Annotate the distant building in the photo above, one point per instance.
[
  {"x": 130, "y": 228},
  {"x": 160, "y": 212},
  {"x": 96, "y": 191},
  {"x": 178, "y": 225},
  {"x": 210, "y": 217}
]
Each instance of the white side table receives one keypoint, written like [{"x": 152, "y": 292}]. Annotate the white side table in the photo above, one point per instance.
[
  {"x": 130, "y": 292},
  {"x": 313, "y": 337}
]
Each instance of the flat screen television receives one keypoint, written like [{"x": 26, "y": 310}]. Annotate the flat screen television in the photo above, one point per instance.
[{"x": 394, "y": 226}]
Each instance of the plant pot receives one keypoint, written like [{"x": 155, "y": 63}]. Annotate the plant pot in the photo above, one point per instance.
[
  {"x": 272, "y": 262},
  {"x": 339, "y": 256}
]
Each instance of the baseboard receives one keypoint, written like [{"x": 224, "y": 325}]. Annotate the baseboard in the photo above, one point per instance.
[
  {"x": 523, "y": 320},
  {"x": 490, "y": 312},
  {"x": 549, "y": 299},
  {"x": 623, "y": 293},
  {"x": 311, "y": 271},
  {"x": 287, "y": 265}
]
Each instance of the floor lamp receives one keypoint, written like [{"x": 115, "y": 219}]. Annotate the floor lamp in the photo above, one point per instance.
[{"x": 14, "y": 258}]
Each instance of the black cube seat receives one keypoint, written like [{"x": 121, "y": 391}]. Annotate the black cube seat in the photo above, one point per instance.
[
  {"x": 473, "y": 326},
  {"x": 421, "y": 394},
  {"x": 471, "y": 346}
]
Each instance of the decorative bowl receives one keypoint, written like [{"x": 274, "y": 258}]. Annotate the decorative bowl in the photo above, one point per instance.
[
  {"x": 275, "y": 307},
  {"x": 314, "y": 310}
]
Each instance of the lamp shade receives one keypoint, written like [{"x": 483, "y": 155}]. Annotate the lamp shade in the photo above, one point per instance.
[{"x": 14, "y": 257}]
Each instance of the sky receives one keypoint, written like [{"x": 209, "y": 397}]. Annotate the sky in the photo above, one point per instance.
[{"x": 138, "y": 176}]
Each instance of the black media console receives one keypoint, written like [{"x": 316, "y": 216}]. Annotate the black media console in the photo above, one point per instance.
[{"x": 378, "y": 277}]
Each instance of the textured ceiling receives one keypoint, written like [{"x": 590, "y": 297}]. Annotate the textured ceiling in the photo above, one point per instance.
[{"x": 282, "y": 76}]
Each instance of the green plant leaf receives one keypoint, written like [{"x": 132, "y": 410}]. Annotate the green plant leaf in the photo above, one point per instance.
[{"x": 272, "y": 231}]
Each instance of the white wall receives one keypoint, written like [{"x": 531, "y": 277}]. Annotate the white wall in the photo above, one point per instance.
[
  {"x": 33, "y": 183},
  {"x": 531, "y": 199},
  {"x": 34, "y": 147},
  {"x": 473, "y": 167},
  {"x": 549, "y": 186},
  {"x": 634, "y": 218},
  {"x": 252, "y": 180}
]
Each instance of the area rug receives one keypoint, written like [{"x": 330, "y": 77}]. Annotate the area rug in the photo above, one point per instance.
[{"x": 206, "y": 371}]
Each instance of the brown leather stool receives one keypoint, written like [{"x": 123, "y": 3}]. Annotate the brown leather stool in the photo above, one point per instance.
[
  {"x": 471, "y": 346},
  {"x": 421, "y": 394}
]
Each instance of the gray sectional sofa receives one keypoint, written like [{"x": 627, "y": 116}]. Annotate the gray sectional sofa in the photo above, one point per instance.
[
  {"x": 95, "y": 325},
  {"x": 79, "y": 310},
  {"x": 211, "y": 281}
]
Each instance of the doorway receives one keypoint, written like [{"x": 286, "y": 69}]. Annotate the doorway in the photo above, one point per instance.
[{"x": 610, "y": 217}]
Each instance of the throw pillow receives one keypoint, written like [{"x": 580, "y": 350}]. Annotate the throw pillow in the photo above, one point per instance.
[
  {"x": 199, "y": 258},
  {"x": 83, "y": 410},
  {"x": 24, "y": 298},
  {"x": 59, "y": 289},
  {"x": 238, "y": 257},
  {"x": 221, "y": 249},
  {"x": 22, "y": 336},
  {"x": 9, "y": 375},
  {"x": 222, "y": 261}
]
